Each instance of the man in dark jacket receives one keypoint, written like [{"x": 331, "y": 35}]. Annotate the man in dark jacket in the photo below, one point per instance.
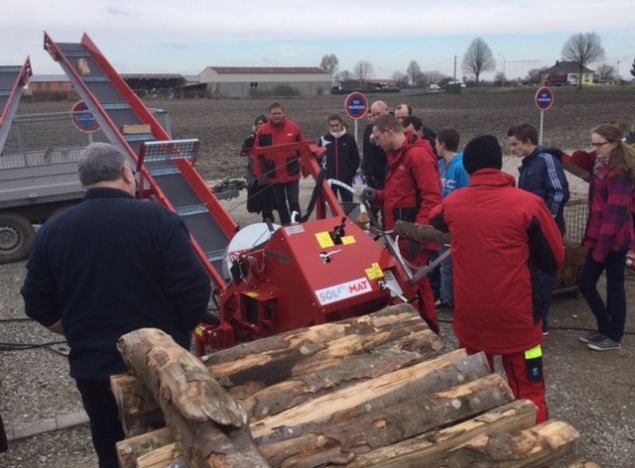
[
  {"x": 500, "y": 237},
  {"x": 541, "y": 173},
  {"x": 110, "y": 265},
  {"x": 342, "y": 156}
]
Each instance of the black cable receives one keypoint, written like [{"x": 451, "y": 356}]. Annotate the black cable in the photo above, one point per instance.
[{"x": 26, "y": 346}]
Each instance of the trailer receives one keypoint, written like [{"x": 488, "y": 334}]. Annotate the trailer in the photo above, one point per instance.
[{"x": 38, "y": 173}]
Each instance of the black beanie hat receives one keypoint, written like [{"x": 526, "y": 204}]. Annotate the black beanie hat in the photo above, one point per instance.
[{"x": 481, "y": 153}]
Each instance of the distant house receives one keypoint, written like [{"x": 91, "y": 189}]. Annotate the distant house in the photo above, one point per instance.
[
  {"x": 567, "y": 73},
  {"x": 265, "y": 81},
  {"x": 45, "y": 87}
]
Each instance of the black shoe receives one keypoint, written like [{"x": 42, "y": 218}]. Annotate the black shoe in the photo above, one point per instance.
[{"x": 441, "y": 305}]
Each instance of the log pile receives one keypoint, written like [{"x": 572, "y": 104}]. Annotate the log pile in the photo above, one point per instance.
[{"x": 369, "y": 391}]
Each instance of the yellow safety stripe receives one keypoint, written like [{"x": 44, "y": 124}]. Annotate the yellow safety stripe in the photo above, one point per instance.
[{"x": 534, "y": 353}]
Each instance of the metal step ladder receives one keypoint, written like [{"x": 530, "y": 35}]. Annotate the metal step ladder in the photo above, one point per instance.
[
  {"x": 165, "y": 167},
  {"x": 12, "y": 79}
]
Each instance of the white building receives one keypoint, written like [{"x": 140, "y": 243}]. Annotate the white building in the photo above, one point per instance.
[{"x": 265, "y": 81}]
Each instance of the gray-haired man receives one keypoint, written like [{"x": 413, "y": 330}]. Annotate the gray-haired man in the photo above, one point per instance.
[{"x": 110, "y": 265}]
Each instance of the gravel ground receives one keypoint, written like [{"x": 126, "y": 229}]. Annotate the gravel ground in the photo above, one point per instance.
[{"x": 591, "y": 391}]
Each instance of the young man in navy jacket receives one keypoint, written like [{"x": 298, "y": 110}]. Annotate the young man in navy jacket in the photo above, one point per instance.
[{"x": 541, "y": 173}]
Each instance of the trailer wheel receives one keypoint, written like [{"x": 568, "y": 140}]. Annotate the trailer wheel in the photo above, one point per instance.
[{"x": 16, "y": 237}]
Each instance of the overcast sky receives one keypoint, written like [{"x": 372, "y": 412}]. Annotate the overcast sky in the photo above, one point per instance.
[{"x": 185, "y": 36}]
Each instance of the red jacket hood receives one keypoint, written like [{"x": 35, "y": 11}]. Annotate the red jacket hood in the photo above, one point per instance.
[{"x": 492, "y": 177}]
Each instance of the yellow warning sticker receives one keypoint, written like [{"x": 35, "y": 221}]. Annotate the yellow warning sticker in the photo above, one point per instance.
[
  {"x": 533, "y": 353},
  {"x": 198, "y": 331},
  {"x": 374, "y": 272},
  {"x": 348, "y": 240},
  {"x": 253, "y": 294},
  {"x": 324, "y": 239}
]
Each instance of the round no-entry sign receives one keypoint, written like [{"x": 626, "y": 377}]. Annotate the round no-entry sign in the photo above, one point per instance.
[
  {"x": 356, "y": 105},
  {"x": 544, "y": 98},
  {"x": 83, "y": 119}
]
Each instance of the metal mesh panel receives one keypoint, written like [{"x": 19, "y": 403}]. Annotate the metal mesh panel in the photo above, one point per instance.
[
  {"x": 576, "y": 213},
  {"x": 51, "y": 138}
]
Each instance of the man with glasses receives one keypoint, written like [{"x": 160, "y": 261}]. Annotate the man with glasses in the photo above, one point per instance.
[
  {"x": 108, "y": 266},
  {"x": 281, "y": 169},
  {"x": 541, "y": 173}
]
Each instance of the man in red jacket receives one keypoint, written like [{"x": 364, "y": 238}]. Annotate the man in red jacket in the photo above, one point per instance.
[
  {"x": 280, "y": 169},
  {"x": 501, "y": 237},
  {"x": 413, "y": 187}
]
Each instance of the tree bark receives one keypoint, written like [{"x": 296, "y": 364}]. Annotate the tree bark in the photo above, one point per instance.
[
  {"x": 427, "y": 448},
  {"x": 358, "y": 368},
  {"x": 306, "y": 347},
  {"x": 138, "y": 411},
  {"x": 210, "y": 425},
  {"x": 532, "y": 447},
  {"x": 251, "y": 367},
  {"x": 128, "y": 450},
  {"x": 421, "y": 232},
  {"x": 161, "y": 457},
  {"x": 314, "y": 444}
]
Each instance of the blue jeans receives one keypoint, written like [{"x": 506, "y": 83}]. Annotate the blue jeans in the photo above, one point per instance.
[
  {"x": 446, "y": 290},
  {"x": 547, "y": 282},
  {"x": 612, "y": 316},
  {"x": 286, "y": 192}
]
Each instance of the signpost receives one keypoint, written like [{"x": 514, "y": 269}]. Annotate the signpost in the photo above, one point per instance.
[
  {"x": 356, "y": 106},
  {"x": 83, "y": 119},
  {"x": 544, "y": 101}
]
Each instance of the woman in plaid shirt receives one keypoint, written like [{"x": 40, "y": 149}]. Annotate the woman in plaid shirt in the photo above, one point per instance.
[{"x": 608, "y": 234}]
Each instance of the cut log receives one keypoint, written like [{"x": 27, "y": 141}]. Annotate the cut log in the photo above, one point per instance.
[
  {"x": 421, "y": 232},
  {"x": 427, "y": 448},
  {"x": 533, "y": 447},
  {"x": 210, "y": 425},
  {"x": 128, "y": 450},
  {"x": 251, "y": 367},
  {"x": 136, "y": 129},
  {"x": 162, "y": 457},
  {"x": 358, "y": 368},
  {"x": 138, "y": 410},
  {"x": 279, "y": 358},
  {"x": 312, "y": 444}
]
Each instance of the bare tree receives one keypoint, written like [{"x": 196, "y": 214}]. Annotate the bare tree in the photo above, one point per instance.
[
  {"x": 583, "y": 49},
  {"x": 606, "y": 72},
  {"x": 362, "y": 71},
  {"x": 499, "y": 79},
  {"x": 344, "y": 75},
  {"x": 633, "y": 68},
  {"x": 535, "y": 75},
  {"x": 434, "y": 76},
  {"x": 329, "y": 63},
  {"x": 400, "y": 78},
  {"x": 478, "y": 58},
  {"x": 414, "y": 72}
]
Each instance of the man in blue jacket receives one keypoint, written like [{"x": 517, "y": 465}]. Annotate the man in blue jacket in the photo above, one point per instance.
[
  {"x": 541, "y": 173},
  {"x": 110, "y": 265},
  {"x": 453, "y": 177}
]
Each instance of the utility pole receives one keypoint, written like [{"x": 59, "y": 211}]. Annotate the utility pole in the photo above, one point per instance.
[
  {"x": 503, "y": 68},
  {"x": 454, "y": 78}
]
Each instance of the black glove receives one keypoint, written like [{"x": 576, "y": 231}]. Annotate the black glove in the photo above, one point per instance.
[{"x": 369, "y": 194}]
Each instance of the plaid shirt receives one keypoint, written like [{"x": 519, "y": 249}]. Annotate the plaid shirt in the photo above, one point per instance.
[{"x": 610, "y": 224}]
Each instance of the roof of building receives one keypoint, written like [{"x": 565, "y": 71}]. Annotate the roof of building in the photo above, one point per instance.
[
  {"x": 564, "y": 68},
  {"x": 152, "y": 76},
  {"x": 268, "y": 70}
]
